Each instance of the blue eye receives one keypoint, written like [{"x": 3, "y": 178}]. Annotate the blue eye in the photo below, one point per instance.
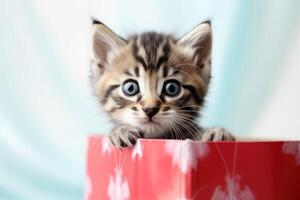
[
  {"x": 130, "y": 87},
  {"x": 172, "y": 88}
]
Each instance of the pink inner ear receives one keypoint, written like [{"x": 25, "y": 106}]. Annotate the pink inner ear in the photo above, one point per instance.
[
  {"x": 200, "y": 39},
  {"x": 105, "y": 41},
  {"x": 203, "y": 49},
  {"x": 101, "y": 50}
]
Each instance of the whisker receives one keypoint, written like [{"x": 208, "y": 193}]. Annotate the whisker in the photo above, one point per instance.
[
  {"x": 187, "y": 111},
  {"x": 185, "y": 121},
  {"x": 189, "y": 122},
  {"x": 188, "y": 117},
  {"x": 177, "y": 133},
  {"x": 170, "y": 129},
  {"x": 182, "y": 121},
  {"x": 185, "y": 127}
]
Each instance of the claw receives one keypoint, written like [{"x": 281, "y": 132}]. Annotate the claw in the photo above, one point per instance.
[
  {"x": 124, "y": 135},
  {"x": 217, "y": 134}
]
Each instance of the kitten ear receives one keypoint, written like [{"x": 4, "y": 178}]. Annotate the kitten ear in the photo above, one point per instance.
[
  {"x": 199, "y": 41},
  {"x": 105, "y": 41}
]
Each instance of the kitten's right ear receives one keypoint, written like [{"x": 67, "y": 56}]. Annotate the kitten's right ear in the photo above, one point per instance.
[
  {"x": 199, "y": 41},
  {"x": 105, "y": 41}
]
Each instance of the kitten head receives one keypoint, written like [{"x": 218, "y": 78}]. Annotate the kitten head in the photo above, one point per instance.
[{"x": 151, "y": 80}]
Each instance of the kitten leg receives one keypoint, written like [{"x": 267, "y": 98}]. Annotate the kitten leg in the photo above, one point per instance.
[
  {"x": 217, "y": 134},
  {"x": 124, "y": 135}
]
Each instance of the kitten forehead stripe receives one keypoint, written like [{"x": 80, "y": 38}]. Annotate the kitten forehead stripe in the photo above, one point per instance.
[
  {"x": 161, "y": 60},
  {"x": 170, "y": 71},
  {"x": 174, "y": 72},
  {"x": 135, "y": 50},
  {"x": 164, "y": 58},
  {"x": 150, "y": 42},
  {"x": 128, "y": 73},
  {"x": 142, "y": 61}
]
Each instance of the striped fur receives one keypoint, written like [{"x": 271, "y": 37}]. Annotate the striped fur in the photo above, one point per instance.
[{"x": 151, "y": 59}]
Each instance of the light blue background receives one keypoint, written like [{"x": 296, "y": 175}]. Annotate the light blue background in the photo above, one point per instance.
[{"x": 46, "y": 113}]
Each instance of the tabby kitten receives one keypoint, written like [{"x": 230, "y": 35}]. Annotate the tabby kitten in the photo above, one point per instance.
[{"x": 153, "y": 85}]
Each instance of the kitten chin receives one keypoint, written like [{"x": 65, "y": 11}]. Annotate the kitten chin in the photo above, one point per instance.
[{"x": 154, "y": 130}]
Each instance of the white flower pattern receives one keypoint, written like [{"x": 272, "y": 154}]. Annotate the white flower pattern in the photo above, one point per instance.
[
  {"x": 137, "y": 150},
  {"x": 292, "y": 148},
  {"x": 106, "y": 146},
  {"x": 233, "y": 191},
  {"x": 186, "y": 154},
  {"x": 118, "y": 189}
]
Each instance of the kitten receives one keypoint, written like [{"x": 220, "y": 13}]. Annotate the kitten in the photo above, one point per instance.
[{"x": 153, "y": 85}]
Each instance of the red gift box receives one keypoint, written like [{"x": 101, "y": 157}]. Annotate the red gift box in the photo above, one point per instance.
[{"x": 185, "y": 169}]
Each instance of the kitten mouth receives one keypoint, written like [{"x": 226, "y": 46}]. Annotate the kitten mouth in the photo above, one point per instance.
[
  {"x": 150, "y": 121},
  {"x": 151, "y": 124}
]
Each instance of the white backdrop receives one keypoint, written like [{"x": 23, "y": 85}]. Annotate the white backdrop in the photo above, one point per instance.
[{"x": 46, "y": 106}]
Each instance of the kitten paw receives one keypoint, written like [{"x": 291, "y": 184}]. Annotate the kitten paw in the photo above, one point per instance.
[
  {"x": 217, "y": 134},
  {"x": 124, "y": 135}
]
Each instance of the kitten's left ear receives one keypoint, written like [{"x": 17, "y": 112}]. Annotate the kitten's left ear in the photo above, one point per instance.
[
  {"x": 105, "y": 41},
  {"x": 199, "y": 41}
]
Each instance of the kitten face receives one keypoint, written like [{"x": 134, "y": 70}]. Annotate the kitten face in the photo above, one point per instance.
[{"x": 152, "y": 81}]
